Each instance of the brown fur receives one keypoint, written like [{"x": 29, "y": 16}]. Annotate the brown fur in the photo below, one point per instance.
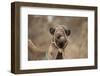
[{"x": 55, "y": 48}]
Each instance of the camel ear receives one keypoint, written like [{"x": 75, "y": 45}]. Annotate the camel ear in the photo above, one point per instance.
[
  {"x": 52, "y": 30},
  {"x": 68, "y": 32}
]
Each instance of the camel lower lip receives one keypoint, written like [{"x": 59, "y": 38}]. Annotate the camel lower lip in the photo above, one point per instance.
[{"x": 61, "y": 45}]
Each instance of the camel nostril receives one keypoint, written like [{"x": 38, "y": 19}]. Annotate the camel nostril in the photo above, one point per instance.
[{"x": 58, "y": 37}]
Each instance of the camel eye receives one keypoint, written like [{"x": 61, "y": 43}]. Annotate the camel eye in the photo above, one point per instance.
[
  {"x": 67, "y": 32},
  {"x": 52, "y": 30}
]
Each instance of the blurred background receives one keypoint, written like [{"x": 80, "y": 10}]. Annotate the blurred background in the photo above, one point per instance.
[{"x": 38, "y": 33}]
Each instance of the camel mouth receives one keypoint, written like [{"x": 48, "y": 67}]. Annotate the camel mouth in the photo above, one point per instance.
[{"x": 61, "y": 44}]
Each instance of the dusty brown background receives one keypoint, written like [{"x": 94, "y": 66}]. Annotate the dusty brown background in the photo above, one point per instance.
[{"x": 38, "y": 32}]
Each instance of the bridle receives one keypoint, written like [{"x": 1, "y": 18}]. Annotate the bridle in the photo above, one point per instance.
[{"x": 54, "y": 43}]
